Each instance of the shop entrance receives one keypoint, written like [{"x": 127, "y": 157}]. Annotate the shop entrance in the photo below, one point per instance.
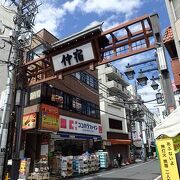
[{"x": 75, "y": 147}]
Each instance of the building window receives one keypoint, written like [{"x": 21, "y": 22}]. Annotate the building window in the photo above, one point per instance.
[
  {"x": 35, "y": 53},
  {"x": 61, "y": 99},
  {"x": 87, "y": 79},
  {"x": 176, "y": 8},
  {"x": 66, "y": 102},
  {"x": 115, "y": 124}
]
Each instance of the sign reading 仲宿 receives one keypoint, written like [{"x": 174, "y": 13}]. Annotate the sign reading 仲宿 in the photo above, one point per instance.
[
  {"x": 72, "y": 125},
  {"x": 167, "y": 159},
  {"x": 73, "y": 57}
]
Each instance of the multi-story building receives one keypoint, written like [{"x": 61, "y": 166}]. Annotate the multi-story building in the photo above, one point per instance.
[
  {"x": 113, "y": 93},
  {"x": 173, "y": 8},
  {"x": 6, "y": 23},
  {"x": 65, "y": 111},
  {"x": 171, "y": 37},
  {"x": 142, "y": 124}
]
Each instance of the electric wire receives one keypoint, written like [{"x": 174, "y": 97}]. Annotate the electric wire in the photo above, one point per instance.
[
  {"x": 107, "y": 89},
  {"x": 99, "y": 108}
]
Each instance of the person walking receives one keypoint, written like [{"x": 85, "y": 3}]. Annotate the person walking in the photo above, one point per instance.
[{"x": 119, "y": 159}]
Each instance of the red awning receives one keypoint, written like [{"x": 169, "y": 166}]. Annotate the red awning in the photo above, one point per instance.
[{"x": 120, "y": 141}]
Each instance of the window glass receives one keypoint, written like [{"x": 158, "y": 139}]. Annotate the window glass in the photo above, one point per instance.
[
  {"x": 97, "y": 112},
  {"x": 91, "y": 82},
  {"x": 93, "y": 110},
  {"x": 78, "y": 105},
  {"x": 88, "y": 108},
  {"x": 57, "y": 98},
  {"x": 78, "y": 75},
  {"x": 83, "y": 107},
  {"x": 36, "y": 52},
  {"x": 115, "y": 124},
  {"x": 83, "y": 77},
  {"x": 61, "y": 99},
  {"x": 66, "y": 101},
  {"x": 87, "y": 79}
]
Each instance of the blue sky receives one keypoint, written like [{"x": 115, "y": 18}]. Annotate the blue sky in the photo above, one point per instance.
[{"x": 63, "y": 18}]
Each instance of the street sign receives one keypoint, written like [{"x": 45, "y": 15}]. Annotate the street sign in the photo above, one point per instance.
[
  {"x": 73, "y": 57},
  {"x": 159, "y": 98}
]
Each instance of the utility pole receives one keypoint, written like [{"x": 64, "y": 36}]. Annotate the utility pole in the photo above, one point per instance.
[
  {"x": 162, "y": 66},
  {"x": 21, "y": 37}
]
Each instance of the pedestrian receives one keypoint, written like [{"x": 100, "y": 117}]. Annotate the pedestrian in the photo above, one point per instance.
[{"x": 119, "y": 159}]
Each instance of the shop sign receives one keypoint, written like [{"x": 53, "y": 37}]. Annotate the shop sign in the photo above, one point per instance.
[
  {"x": 35, "y": 94},
  {"x": 58, "y": 99},
  {"x": 31, "y": 109},
  {"x": 167, "y": 157},
  {"x": 24, "y": 168},
  {"x": 49, "y": 118},
  {"x": 29, "y": 121},
  {"x": 73, "y": 57},
  {"x": 72, "y": 125}
]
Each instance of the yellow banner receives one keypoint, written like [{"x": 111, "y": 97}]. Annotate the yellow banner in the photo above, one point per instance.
[{"x": 167, "y": 158}]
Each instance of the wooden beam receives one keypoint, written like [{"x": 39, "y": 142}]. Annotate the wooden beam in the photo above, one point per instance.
[
  {"x": 126, "y": 42},
  {"x": 124, "y": 55},
  {"x": 43, "y": 80},
  {"x": 134, "y": 21}
]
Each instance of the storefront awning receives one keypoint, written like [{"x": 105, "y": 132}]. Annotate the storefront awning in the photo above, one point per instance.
[
  {"x": 120, "y": 141},
  {"x": 65, "y": 135}
]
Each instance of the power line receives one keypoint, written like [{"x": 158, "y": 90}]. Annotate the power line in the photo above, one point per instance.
[
  {"x": 99, "y": 108},
  {"x": 125, "y": 102}
]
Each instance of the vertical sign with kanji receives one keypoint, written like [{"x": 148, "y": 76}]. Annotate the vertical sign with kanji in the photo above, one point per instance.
[
  {"x": 73, "y": 57},
  {"x": 167, "y": 157}
]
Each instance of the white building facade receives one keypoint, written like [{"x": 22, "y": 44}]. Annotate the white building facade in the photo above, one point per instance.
[
  {"x": 6, "y": 23},
  {"x": 113, "y": 92}
]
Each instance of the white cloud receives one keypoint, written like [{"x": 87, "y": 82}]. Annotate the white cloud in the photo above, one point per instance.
[
  {"x": 71, "y": 6},
  {"x": 94, "y": 23},
  {"x": 110, "y": 22},
  {"x": 147, "y": 93},
  {"x": 49, "y": 17},
  {"x": 116, "y": 6}
]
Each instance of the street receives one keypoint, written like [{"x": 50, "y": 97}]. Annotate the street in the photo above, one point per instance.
[{"x": 141, "y": 171}]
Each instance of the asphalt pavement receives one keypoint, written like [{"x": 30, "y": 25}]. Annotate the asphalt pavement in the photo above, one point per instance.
[{"x": 149, "y": 170}]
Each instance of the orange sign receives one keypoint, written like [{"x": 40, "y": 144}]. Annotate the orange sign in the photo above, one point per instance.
[
  {"x": 49, "y": 118},
  {"x": 29, "y": 121}
]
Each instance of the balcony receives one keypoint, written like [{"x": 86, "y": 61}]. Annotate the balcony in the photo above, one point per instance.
[
  {"x": 117, "y": 88},
  {"x": 116, "y": 100},
  {"x": 114, "y": 73},
  {"x": 114, "y": 86}
]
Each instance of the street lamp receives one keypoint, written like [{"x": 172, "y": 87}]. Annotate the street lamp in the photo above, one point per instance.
[
  {"x": 154, "y": 85},
  {"x": 129, "y": 72},
  {"x": 142, "y": 79}
]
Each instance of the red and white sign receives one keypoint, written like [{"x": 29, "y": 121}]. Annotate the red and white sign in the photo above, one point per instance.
[{"x": 72, "y": 125}]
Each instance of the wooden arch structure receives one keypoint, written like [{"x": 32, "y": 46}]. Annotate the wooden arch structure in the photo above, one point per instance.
[{"x": 124, "y": 40}]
